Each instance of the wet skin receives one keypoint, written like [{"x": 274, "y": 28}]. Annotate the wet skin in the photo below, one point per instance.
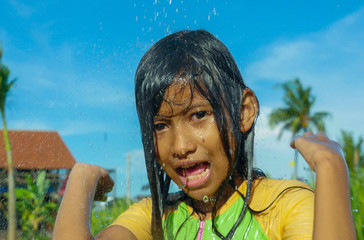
[{"x": 188, "y": 143}]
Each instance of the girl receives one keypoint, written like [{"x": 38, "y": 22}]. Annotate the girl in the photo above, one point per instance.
[{"x": 197, "y": 121}]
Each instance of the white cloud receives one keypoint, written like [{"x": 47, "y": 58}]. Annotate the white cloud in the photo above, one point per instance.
[
  {"x": 65, "y": 128},
  {"x": 330, "y": 61},
  {"x": 76, "y": 127},
  {"x": 100, "y": 93},
  {"x": 34, "y": 124},
  {"x": 330, "y": 55}
]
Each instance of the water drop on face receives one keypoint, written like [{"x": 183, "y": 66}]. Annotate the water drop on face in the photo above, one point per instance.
[
  {"x": 163, "y": 164},
  {"x": 205, "y": 199},
  {"x": 230, "y": 151}
]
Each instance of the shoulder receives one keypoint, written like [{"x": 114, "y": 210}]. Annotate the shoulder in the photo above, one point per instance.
[
  {"x": 285, "y": 208},
  {"x": 266, "y": 191}
]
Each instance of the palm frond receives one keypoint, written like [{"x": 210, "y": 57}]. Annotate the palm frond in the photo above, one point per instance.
[
  {"x": 5, "y": 85},
  {"x": 296, "y": 115},
  {"x": 279, "y": 115},
  {"x": 317, "y": 120},
  {"x": 285, "y": 127}
]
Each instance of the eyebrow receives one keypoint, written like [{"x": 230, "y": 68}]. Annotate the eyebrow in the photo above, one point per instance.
[
  {"x": 202, "y": 103},
  {"x": 198, "y": 104}
]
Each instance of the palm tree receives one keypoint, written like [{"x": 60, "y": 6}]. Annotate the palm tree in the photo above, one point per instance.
[
  {"x": 296, "y": 116},
  {"x": 353, "y": 152},
  {"x": 5, "y": 87}
]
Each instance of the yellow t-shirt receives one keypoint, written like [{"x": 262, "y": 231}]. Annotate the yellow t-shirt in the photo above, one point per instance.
[{"x": 290, "y": 215}]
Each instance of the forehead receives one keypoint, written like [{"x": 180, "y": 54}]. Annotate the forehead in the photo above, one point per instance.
[{"x": 179, "y": 97}]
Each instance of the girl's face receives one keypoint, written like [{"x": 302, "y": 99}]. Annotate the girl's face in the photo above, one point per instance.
[{"x": 188, "y": 143}]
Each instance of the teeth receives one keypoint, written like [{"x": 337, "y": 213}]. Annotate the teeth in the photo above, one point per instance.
[{"x": 202, "y": 174}]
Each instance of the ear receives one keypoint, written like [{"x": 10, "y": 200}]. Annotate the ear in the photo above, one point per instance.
[{"x": 248, "y": 110}]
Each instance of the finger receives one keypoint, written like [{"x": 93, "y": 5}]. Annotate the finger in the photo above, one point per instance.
[
  {"x": 109, "y": 184},
  {"x": 300, "y": 142},
  {"x": 106, "y": 181},
  {"x": 293, "y": 142},
  {"x": 308, "y": 134},
  {"x": 321, "y": 134},
  {"x": 338, "y": 145}
]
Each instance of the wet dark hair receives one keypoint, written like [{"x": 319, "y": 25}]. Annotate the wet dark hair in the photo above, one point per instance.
[{"x": 208, "y": 66}]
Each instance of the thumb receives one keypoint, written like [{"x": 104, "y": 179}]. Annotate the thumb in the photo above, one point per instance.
[{"x": 293, "y": 142}]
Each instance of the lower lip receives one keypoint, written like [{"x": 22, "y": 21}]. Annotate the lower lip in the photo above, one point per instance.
[{"x": 201, "y": 179}]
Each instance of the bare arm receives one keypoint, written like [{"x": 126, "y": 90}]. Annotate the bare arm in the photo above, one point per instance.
[
  {"x": 86, "y": 183},
  {"x": 332, "y": 218}
]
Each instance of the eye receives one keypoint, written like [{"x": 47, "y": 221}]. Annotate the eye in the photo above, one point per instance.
[
  {"x": 160, "y": 126},
  {"x": 198, "y": 115}
]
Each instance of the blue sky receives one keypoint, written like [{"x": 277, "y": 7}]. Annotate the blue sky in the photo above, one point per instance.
[{"x": 75, "y": 62}]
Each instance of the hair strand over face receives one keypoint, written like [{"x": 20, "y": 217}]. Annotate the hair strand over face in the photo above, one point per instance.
[{"x": 205, "y": 63}]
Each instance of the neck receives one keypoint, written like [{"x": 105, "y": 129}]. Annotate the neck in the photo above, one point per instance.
[{"x": 206, "y": 207}]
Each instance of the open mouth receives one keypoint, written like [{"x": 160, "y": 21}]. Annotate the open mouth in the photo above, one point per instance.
[{"x": 194, "y": 176}]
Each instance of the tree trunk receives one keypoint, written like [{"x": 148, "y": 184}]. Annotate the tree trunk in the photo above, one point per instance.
[
  {"x": 11, "y": 185},
  {"x": 295, "y": 164}
]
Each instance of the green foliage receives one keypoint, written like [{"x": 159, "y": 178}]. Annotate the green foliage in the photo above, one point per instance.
[
  {"x": 5, "y": 85},
  {"x": 102, "y": 217},
  {"x": 36, "y": 213},
  {"x": 353, "y": 151},
  {"x": 354, "y": 156},
  {"x": 357, "y": 200}
]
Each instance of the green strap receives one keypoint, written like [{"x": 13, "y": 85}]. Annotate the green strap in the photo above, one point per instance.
[{"x": 180, "y": 225}]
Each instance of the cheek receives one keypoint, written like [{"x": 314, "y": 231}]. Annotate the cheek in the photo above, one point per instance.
[{"x": 161, "y": 149}]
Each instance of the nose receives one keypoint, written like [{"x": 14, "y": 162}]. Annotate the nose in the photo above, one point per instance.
[{"x": 183, "y": 143}]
